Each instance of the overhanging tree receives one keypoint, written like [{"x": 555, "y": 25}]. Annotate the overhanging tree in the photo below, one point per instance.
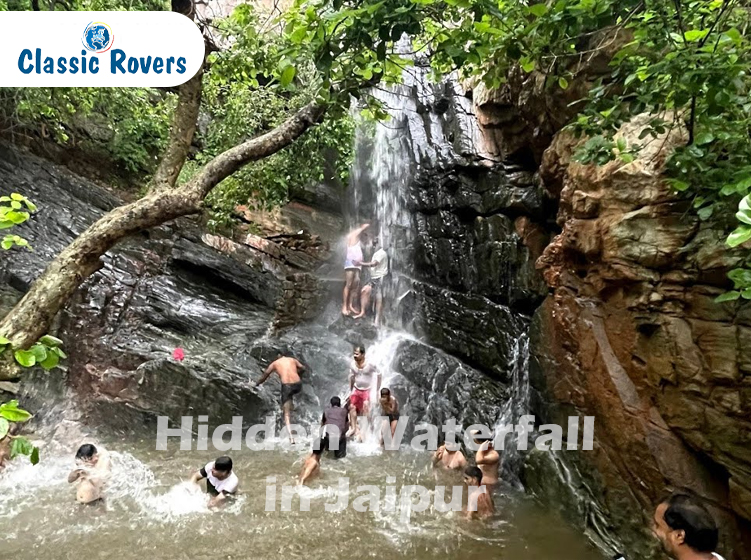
[{"x": 327, "y": 52}]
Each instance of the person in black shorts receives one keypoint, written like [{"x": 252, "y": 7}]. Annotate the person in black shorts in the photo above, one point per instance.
[
  {"x": 289, "y": 370},
  {"x": 390, "y": 409},
  {"x": 335, "y": 422}
]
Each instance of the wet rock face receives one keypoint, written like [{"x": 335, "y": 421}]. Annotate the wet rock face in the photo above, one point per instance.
[{"x": 632, "y": 335}]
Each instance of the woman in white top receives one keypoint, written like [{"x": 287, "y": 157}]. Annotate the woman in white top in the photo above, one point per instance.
[{"x": 352, "y": 269}]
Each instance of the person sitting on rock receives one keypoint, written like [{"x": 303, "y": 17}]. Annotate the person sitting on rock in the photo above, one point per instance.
[
  {"x": 479, "y": 502},
  {"x": 92, "y": 473},
  {"x": 288, "y": 370},
  {"x": 686, "y": 529},
  {"x": 221, "y": 481},
  {"x": 373, "y": 290}
]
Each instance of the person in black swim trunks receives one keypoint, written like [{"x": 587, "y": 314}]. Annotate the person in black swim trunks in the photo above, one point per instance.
[
  {"x": 288, "y": 370},
  {"x": 389, "y": 408}
]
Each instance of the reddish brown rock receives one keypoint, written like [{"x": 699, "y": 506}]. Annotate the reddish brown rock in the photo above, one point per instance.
[{"x": 632, "y": 335}]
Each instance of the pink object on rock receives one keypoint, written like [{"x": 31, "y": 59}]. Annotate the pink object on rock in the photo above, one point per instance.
[{"x": 178, "y": 354}]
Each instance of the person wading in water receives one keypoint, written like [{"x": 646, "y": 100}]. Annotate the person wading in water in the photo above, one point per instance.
[
  {"x": 288, "y": 370},
  {"x": 361, "y": 379}
]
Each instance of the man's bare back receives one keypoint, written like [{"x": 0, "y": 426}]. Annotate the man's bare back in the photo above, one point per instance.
[{"x": 287, "y": 369}]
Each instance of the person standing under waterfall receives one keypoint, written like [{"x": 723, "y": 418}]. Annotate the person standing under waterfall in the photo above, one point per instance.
[
  {"x": 373, "y": 290},
  {"x": 686, "y": 529},
  {"x": 352, "y": 270},
  {"x": 488, "y": 460},
  {"x": 449, "y": 459},
  {"x": 390, "y": 409},
  {"x": 362, "y": 375},
  {"x": 288, "y": 370}
]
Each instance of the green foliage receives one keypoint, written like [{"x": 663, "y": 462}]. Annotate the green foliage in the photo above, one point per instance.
[
  {"x": 10, "y": 412},
  {"x": 687, "y": 63},
  {"x": 14, "y": 210}
]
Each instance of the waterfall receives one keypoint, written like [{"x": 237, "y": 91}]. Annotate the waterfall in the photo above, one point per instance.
[{"x": 422, "y": 134}]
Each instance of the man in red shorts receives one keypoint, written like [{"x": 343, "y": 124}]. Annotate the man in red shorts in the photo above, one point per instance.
[{"x": 361, "y": 378}]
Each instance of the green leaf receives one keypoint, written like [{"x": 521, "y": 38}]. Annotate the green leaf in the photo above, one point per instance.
[
  {"x": 528, "y": 66},
  {"x": 288, "y": 74},
  {"x": 705, "y": 213},
  {"x": 4, "y": 427},
  {"x": 39, "y": 352},
  {"x": 20, "y": 446},
  {"x": 4, "y": 341},
  {"x": 12, "y": 413},
  {"x": 727, "y": 296},
  {"x": 704, "y": 138},
  {"x": 16, "y": 196},
  {"x": 538, "y": 10},
  {"x": 50, "y": 361},
  {"x": 34, "y": 457},
  {"x": 696, "y": 34},
  {"x": 746, "y": 294},
  {"x": 741, "y": 277},
  {"x": 744, "y": 216},
  {"x": 563, "y": 82},
  {"x": 49, "y": 340},
  {"x": 25, "y": 357},
  {"x": 679, "y": 185}
]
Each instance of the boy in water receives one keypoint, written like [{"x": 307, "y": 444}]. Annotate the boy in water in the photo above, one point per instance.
[
  {"x": 479, "y": 503},
  {"x": 488, "y": 460},
  {"x": 92, "y": 474},
  {"x": 445, "y": 458},
  {"x": 288, "y": 370},
  {"x": 221, "y": 482},
  {"x": 312, "y": 465},
  {"x": 390, "y": 409}
]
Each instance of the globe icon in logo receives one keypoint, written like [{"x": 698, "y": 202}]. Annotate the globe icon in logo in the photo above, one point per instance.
[{"x": 98, "y": 37}]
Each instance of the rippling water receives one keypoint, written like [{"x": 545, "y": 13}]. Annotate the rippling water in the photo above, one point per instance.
[{"x": 152, "y": 513}]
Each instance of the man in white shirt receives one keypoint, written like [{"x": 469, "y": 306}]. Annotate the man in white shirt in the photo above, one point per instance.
[
  {"x": 221, "y": 482},
  {"x": 373, "y": 290},
  {"x": 686, "y": 529}
]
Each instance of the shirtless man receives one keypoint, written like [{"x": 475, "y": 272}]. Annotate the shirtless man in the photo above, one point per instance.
[
  {"x": 373, "y": 290},
  {"x": 478, "y": 497},
  {"x": 361, "y": 376},
  {"x": 288, "y": 370},
  {"x": 92, "y": 474},
  {"x": 488, "y": 460},
  {"x": 389, "y": 408},
  {"x": 352, "y": 268},
  {"x": 312, "y": 465},
  {"x": 221, "y": 481},
  {"x": 444, "y": 458}
]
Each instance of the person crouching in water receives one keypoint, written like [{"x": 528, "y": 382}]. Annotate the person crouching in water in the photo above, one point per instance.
[
  {"x": 92, "y": 473},
  {"x": 479, "y": 503},
  {"x": 335, "y": 424},
  {"x": 311, "y": 468},
  {"x": 221, "y": 482}
]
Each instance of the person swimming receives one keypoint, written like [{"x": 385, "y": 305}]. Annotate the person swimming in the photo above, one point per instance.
[
  {"x": 92, "y": 474},
  {"x": 311, "y": 468},
  {"x": 221, "y": 481}
]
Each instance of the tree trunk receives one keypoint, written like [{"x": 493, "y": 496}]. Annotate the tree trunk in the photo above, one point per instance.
[
  {"x": 181, "y": 133},
  {"x": 32, "y": 316}
]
